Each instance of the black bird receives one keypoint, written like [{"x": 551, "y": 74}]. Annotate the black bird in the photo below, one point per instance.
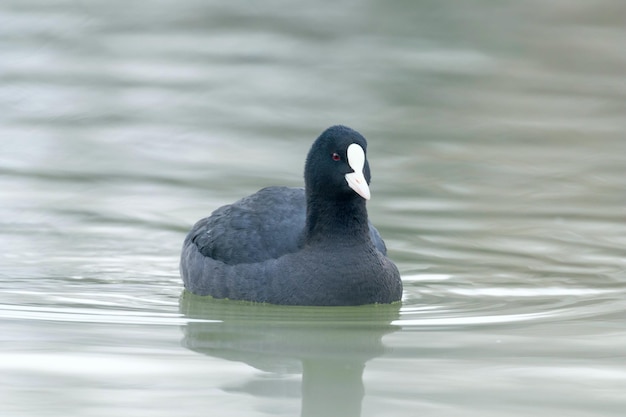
[{"x": 301, "y": 247}]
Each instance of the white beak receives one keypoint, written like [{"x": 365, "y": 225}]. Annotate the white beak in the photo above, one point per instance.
[{"x": 356, "y": 179}]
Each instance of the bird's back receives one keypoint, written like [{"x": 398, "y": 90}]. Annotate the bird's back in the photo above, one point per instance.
[{"x": 264, "y": 225}]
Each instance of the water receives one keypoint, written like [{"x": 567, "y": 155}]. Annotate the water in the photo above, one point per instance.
[{"x": 498, "y": 155}]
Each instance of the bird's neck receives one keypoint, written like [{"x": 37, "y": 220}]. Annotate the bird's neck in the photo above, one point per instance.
[{"x": 329, "y": 219}]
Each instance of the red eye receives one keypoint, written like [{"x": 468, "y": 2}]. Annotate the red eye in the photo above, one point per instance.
[{"x": 336, "y": 157}]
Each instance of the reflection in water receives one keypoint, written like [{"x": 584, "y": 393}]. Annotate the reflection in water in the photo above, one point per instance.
[{"x": 330, "y": 346}]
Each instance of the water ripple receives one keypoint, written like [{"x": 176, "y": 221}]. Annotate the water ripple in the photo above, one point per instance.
[{"x": 94, "y": 315}]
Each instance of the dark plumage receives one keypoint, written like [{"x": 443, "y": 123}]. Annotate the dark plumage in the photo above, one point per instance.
[{"x": 293, "y": 246}]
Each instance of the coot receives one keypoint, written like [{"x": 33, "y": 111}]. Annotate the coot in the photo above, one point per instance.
[{"x": 311, "y": 246}]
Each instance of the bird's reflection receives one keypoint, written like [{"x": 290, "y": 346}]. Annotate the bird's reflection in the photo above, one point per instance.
[{"x": 328, "y": 345}]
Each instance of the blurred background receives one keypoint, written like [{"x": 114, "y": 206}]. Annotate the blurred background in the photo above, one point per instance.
[{"x": 498, "y": 152}]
